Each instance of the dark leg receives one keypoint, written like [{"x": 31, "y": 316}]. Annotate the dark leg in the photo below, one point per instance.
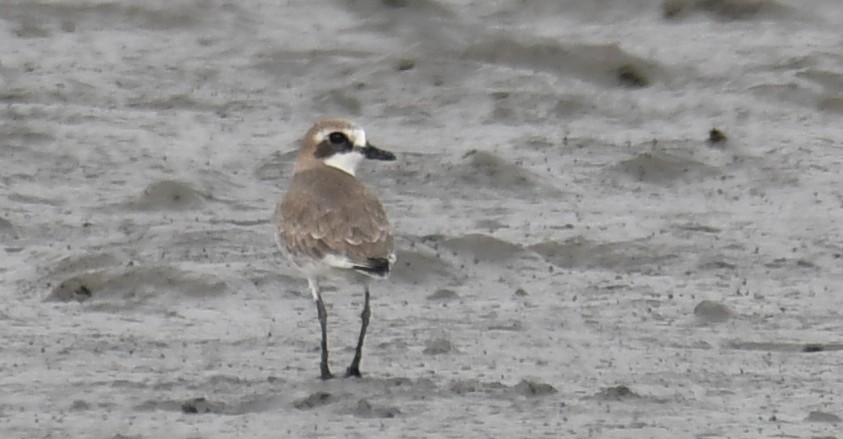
[
  {"x": 354, "y": 369},
  {"x": 325, "y": 372},
  {"x": 323, "y": 323}
]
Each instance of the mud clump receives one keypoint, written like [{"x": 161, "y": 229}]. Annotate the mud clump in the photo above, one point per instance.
[
  {"x": 365, "y": 409},
  {"x": 416, "y": 267},
  {"x": 438, "y": 346},
  {"x": 813, "y": 347},
  {"x": 617, "y": 393},
  {"x": 712, "y": 312},
  {"x": 199, "y": 406},
  {"x": 662, "y": 168},
  {"x": 462, "y": 387},
  {"x": 589, "y": 62},
  {"x": 631, "y": 77},
  {"x": 817, "y": 416},
  {"x": 534, "y": 388},
  {"x": 80, "y": 405},
  {"x": 443, "y": 294},
  {"x": 715, "y": 136},
  {"x": 313, "y": 400},
  {"x": 169, "y": 195},
  {"x": 674, "y": 8},
  {"x": 483, "y": 248},
  {"x": 487, "y": 169},
  {"x": 6, "y": 226},
  {"x": 623, "y": 256},
  {"x": 721, "y": 9},
  {"x": 138, "y": 285},
  {"x": 405, "y": 64},
  {"x": 79, "y": 288}
]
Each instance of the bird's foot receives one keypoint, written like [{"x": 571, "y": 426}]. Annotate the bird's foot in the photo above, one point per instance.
[{"x": 353, "y": 372}]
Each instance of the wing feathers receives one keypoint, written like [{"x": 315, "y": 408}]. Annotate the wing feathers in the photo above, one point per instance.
[{"x": 336, "y": 220}]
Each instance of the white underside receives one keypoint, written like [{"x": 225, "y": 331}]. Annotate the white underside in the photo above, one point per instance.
[
  {"x": 333, "y": 267},
  {"x": 338, "y": 267},
  {"x": 335, "y": 261}
]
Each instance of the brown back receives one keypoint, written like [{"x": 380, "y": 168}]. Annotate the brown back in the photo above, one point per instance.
[{"x": 327, "y": 211}]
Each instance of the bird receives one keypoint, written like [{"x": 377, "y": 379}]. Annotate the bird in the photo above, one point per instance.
[{"x": 331, "y": 226}]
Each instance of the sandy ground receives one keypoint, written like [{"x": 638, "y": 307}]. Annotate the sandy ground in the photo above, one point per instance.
[{"x": 579, "y": 255}]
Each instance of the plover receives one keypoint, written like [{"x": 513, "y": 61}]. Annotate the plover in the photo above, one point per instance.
[{"x": 330, "y": 225}]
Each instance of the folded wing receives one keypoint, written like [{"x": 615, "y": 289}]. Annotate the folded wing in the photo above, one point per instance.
[{"x": 345, "y": 227}]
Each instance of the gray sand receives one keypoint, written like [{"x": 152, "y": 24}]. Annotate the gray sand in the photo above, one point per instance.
[{"x": 578, "y": 255}]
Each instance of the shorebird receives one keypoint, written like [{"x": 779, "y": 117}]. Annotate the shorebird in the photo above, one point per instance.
[{"x": 330, "y": 225}]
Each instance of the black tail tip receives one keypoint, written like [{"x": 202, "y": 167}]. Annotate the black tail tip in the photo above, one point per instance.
[{"x": 376, "y": 266}]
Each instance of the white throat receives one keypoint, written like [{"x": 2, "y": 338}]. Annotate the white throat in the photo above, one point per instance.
[{"x": 346, "y": 162}]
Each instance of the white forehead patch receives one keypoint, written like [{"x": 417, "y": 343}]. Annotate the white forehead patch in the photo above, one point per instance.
[{"x": 357, "y": 137}]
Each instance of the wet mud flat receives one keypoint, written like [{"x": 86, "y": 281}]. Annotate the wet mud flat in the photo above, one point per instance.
[{"x": 613, "y": 220}]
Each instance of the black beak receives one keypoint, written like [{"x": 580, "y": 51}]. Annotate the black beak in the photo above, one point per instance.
[{"x": 372, "y": 153}]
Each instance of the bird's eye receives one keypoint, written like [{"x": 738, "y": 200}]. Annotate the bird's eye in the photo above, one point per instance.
[{"x": 338, "y": 138}]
